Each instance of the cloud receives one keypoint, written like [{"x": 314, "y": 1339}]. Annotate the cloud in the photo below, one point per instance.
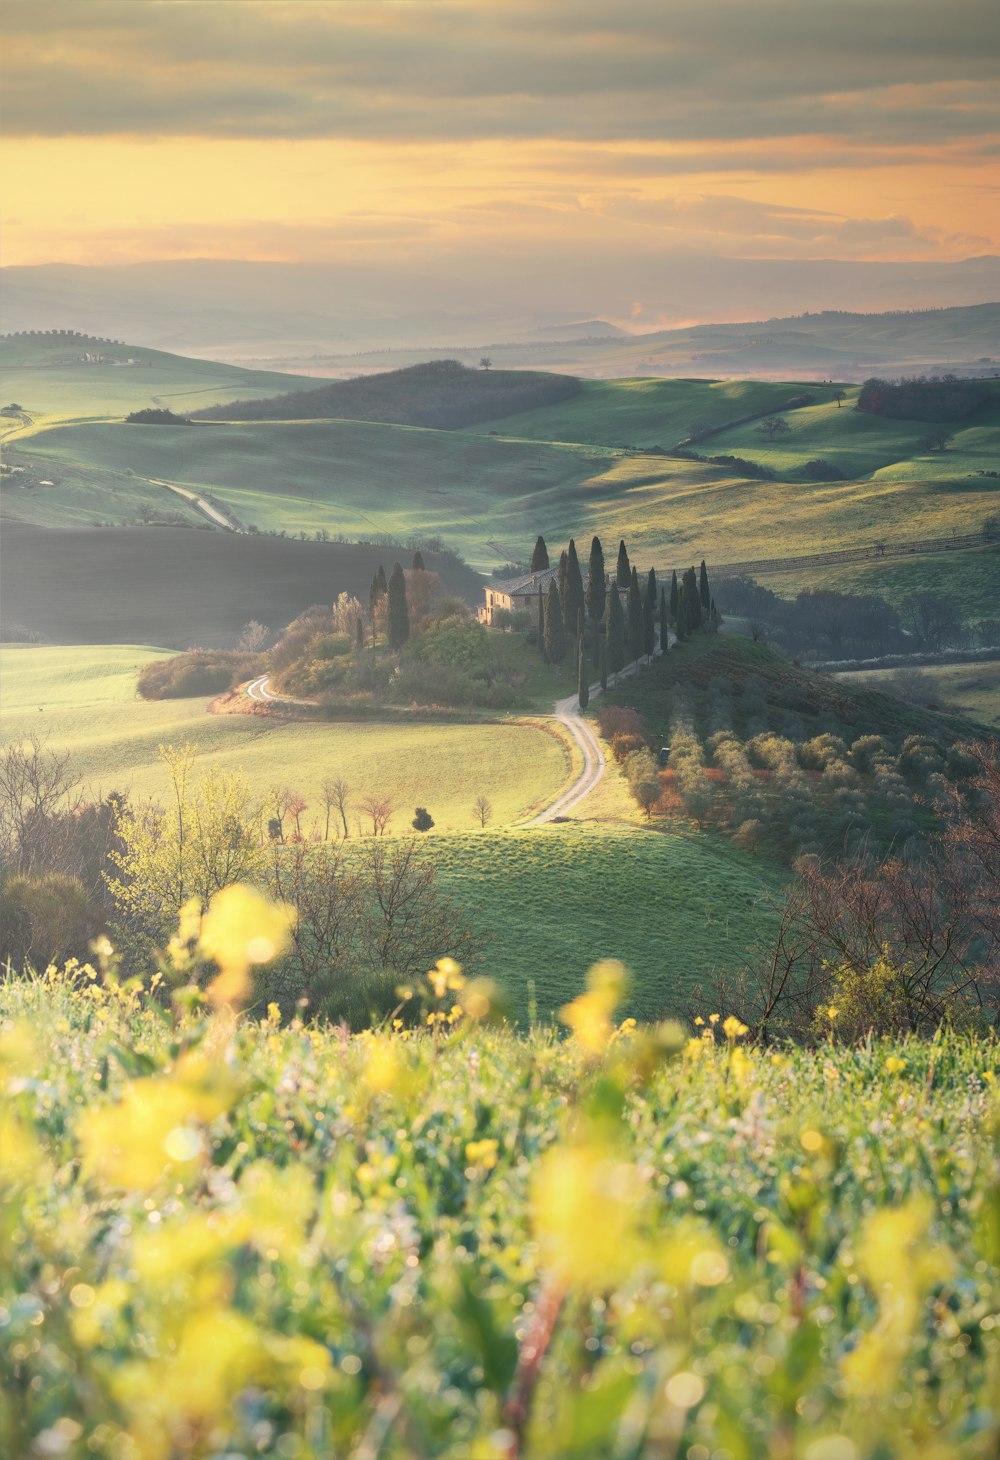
[{"x": 868, "y": 70}]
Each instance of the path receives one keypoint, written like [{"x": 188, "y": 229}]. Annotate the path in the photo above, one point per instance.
[
  {"x": 566, "y": 711},
  {"x": 198, "y": 503}
]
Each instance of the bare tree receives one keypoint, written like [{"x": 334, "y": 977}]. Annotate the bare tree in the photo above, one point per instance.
[
  {"x": 36, "y": 785},
  {"x": 839, "y": 395},
  {"x": 485, "y": 361},
  {"x": 253, "y": 638},
  {"x": 378, "y": 809},
  {"x": 335, "y": 793},
  {"x": 482, "y": 809}
]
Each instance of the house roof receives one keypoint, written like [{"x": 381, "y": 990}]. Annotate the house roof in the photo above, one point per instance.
[{"x": 530, "y": 583}]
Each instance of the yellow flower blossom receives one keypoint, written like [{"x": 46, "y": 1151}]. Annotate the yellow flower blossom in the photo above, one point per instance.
[
  {"x": 241, "y": 929},
  {"x": 482, "y": 1154},
  {"x": 894, "y": 1065},
  {"x": 733, "y": 1029},
  {"x": 589, "y": 1015},
  {"x": 585, "y": 1205},
  {"x": 444, "y": 977}
]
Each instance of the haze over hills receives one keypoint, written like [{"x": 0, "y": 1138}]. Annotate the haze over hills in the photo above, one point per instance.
[{"x": 232, "y": 309}]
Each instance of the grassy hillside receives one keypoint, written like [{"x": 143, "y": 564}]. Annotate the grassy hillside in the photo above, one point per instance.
[
  {"x": 298, "y": 1243},
  {"x": 650, "y": 412},
  {"x": 569, "y": 895},
  {"x": 971, "y": 689},
  {"x": 486, "y": 496},
  {"x": 48, "y": 376},
  {"x": 440, "y": 393},
  {"x": 177, "y": 587},
  {"x": 83, "y": 700}
]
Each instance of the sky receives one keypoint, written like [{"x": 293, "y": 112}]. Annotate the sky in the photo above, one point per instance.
[{"x": 585, "y": 131}]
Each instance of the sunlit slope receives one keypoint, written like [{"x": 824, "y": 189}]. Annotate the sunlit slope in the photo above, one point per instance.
[
  {"x": 650, "y": 411},
  {"x": 83, "y": 700},
  {"x": 488, "y": 497},
  {"x": 50, "y": 378}
]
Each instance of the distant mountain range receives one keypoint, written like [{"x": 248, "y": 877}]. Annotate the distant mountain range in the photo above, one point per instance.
[{"x": 238, "y": 309}]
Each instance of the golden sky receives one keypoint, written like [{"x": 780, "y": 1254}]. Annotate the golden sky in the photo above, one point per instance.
[{"x": 384, "y": 130}]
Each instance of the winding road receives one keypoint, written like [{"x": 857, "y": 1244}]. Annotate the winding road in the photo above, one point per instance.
[
  {"x": 198, "y": 503},
  {"x": 566, "y": 711}
]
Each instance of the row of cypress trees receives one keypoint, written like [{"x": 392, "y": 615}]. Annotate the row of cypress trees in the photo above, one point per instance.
[
  {"x": 618, "y": 635},
  {"x": 398, "y": 610}
]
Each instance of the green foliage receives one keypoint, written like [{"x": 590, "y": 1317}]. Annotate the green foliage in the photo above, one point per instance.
[
  {"x": 583, "y": 680},
  {"x": 615, "y": 632},
  {"x": 539, "y": 556},
  {"x": 741, "y": 1249},
  {"x": 636, "y": 630},
  {"x": 197, "y": 672},
  {"x": 596, "y": 589},
  {"x": 45, "y": 918},
  {"x": 399, "y": 613},
  {"x": 155, "y": 417}
]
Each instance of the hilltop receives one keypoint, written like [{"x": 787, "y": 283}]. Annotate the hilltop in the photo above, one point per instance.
[{"x": 440, "y": 393}]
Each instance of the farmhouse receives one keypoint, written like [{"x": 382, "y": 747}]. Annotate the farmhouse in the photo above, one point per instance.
[{"x": 521, "y": 595}]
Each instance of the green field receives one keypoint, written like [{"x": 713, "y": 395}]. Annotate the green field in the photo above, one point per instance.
[
  {"x": 83, "y": 701},
  {"x": 973, "y": 689},
  {"x": 295, "y": 1243},
  {"x": 674, "y": 906},
  {"x": 48, "y": 377}
]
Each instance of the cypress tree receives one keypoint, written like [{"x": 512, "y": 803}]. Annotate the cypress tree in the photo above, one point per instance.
[
  {"x": 380, "y": 578},
  {"x": 555, "y": 637},
  {"x": 541, "y": 624},
  {"x": 584, "y": 681},
  {"x": 692, "y": 599},
  {"x": 623, "y": 572},
  {"x": 418, "y": 562},
  {"x": 596, "y": 592},
  {"x": 373, "y": 593},
  {"x": 664, "y": 619},
  {"x": 361, "y": 632},
  {"x": 399, "y": 613},
  {"x": 680, "y": 620},
  {"x": 540, "y": 556},
  {"x": 649, "y": 624},
  {"x": 674, "y": 595},
  {"x": 603, "y": 639},
  {"x": 703, "y": 591},
  {"x": 573, "y": 596},
  {"x": 561, "y": 577},
  {"x": 615, "y": 633},
  {"x": 635, "y": 633}
]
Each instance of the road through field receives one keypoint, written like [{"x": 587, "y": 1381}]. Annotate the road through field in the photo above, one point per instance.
[{"x": 198, "y": 503}]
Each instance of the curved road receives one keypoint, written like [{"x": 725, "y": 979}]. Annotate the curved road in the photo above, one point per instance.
[
  {"x": 198, "y": 503},
  {"x": 568, "y": 713}
]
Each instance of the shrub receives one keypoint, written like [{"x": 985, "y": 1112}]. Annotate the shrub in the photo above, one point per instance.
[
  {"x": 196, "y": 672},
  {"x": 45, "y": 919}
]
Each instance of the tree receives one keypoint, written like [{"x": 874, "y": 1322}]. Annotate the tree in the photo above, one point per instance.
[
  {"x": 418, "y": 562},
  {"x": 422, "y": 820},
  {"x": 603, "y": 641},
  {"x": 541, "y": 626},
  {"x": 485, "y": 362},
  {"x": 399, "y": 613},
  {"x": 555, "y": 636},
  {"x": 561, "y": 576},
  {"x": 539, "y": 556},
  {"x": 360, "y": 632},
  {"x": 635, "y": 624},
  {"x": 482, "y": 809},
  {"x": 936, "y": 440},
  {"x": 253, "y": 637},
  {"x": 573, "y": 603},
  {"x": 704, "y": 593},
  {"x": 623, "y": 572},
  {"x": 664, "y": 620},
  {"x": 335, "y": 792},
  {"x": 649, "y": 619},
  {"x": 615, "y": 632},
  {"x": 691, "y": 599},
  {"x": 773, "y": 426},
  {"x": 674, "y": 595},
  {"x": 596, "y": 591},
  {"x": 378, "y": 809},
  {"x": 380, "y": 578},
  {"x": 935, "y": 620},
  {"x": 839, "y": 395},
  {"x": 583, "y": 682}
]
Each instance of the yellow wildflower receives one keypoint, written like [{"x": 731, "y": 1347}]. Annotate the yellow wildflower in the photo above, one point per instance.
[
  {"x": 241, "y": 929},
  {"x": 482, "y": 1154},
  {"x": 589, "y": 1015},
  {"x": 733, "y": 1029},
  {"x": 585, "y": 1205},
  {"x": 444, "y": 976},
  {"x": 894, "y": 1065}
]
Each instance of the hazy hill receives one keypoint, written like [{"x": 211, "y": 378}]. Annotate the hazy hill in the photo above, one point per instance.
[
  {"x": 59, "y": 373},
  {"x": 176, "y": 587},
  {"x": 441, "y": 394},
  {"x": 239, "y": 308}
]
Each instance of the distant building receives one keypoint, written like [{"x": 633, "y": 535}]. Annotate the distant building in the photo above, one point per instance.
[{"x": 520, "y": 595}]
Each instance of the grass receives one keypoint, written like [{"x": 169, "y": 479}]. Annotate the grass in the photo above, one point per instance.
[
  {"x": 82, "y": 700},
  {"x": 972, "y": 689},
  {"x": 175, "y": 587},
  {"x": 47, "y": 376},
  {"x": 244, "y": 1239},
  {"x": 648, "y": 411},
  {"x": 673, "y": 906}
]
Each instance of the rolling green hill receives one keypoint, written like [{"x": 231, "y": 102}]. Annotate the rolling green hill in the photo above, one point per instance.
[
  {"x": 176, "y": 587},
  {"x": 83, "y": 700},
  {"x": 50, "y": 377}
]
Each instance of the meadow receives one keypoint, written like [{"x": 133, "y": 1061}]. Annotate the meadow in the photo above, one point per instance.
[
  {"x": 228, "y": 1237},
  {"x": 83, "y": 701},
  {"x": 972, "y": 689},
  {"x": 674, "y": 904}
]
